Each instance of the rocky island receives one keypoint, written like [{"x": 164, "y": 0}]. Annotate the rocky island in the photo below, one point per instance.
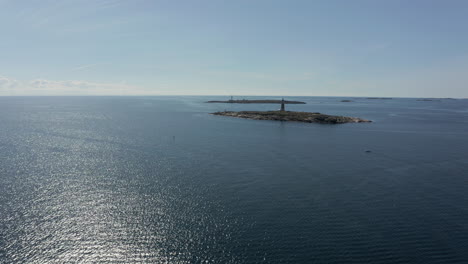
[
  {"x": 293, "y": 116},
  {"x": 244, "y": 101}
]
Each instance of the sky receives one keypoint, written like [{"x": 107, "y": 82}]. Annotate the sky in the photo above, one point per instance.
[{"x": 392, "y": 48}]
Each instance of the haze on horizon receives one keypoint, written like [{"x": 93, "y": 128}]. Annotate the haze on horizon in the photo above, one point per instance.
[{"x": 264, "y": 47}]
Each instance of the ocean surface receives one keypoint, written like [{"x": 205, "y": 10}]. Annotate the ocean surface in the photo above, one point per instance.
[{"x": 159, "y": 180}]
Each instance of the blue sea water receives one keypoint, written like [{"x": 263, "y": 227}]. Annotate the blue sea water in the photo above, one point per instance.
[{"x": 159, "y": 180}]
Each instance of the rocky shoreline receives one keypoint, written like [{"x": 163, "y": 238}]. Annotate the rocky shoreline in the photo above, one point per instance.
[{"x": 293, "y": 116}]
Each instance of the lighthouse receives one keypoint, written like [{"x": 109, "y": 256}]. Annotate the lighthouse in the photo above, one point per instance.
[{"x": 282, "y": 104}]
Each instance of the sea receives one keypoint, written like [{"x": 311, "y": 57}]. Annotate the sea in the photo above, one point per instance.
[{"x": 159, "y": 180}]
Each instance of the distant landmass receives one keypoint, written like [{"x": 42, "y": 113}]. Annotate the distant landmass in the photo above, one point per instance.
[
  {"x": 292, "y": 116},
  {"x": 244, "y": 101}
]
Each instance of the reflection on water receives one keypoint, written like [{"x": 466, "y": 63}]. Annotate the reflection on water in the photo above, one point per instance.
[{"x": 102, "y": 180}]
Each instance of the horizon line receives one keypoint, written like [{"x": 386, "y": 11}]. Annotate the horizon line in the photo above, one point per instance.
[{"x": 200, "y": 95}]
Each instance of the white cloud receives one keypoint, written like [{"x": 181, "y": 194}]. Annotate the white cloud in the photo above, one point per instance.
[
  {"x": 7, "y": 83},
  {"x": 9, "y": 86}
]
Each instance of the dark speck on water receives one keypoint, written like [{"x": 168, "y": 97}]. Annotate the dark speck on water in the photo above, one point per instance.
[{"x": 98, "y": 180}]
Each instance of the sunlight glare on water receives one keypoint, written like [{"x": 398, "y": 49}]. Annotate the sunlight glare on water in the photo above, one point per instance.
[{"x": 159, "y": 180}]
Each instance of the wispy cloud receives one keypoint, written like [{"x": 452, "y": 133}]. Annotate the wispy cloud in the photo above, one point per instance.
[
  {"x": 376, "y": 47},
  {"x": 10, "y": 86},
  {"x": 105, "y": 4},
  {"x": 67, "y": 16},
  {"x": 280, "y": 77},
  {"x": 84, "y": 67}
]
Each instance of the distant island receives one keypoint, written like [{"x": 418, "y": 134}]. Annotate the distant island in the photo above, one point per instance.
[
  {"x": 292, "y": 116},
  {"x": 346, "y": 101},
  {"x": 244, "y": 101}
]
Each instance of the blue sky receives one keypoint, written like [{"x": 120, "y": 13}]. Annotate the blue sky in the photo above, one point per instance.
[{"x": 396, "y": 48}]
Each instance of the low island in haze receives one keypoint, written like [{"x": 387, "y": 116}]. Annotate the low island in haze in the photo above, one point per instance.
[
  {"x": 244, "y": 101},
  {"x": 293, "y": 116}
]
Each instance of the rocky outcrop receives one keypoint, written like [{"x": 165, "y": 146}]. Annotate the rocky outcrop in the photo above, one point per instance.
[{"x": 293, "y": 116}]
